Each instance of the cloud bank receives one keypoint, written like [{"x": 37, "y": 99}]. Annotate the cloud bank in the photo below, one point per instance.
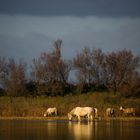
[
  {"x": 102, "y": 8},
  {"x": 26, "y": 37}
]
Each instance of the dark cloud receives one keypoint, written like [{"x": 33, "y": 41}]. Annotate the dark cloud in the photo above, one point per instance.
[
  {"x": 26, "y": 47},
  {"x": 103, "y": 8},
  {"x": 27, "y": 36}
]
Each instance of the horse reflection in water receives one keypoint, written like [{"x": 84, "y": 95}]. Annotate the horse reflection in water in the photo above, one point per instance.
[{"x": 83, "y": 130}]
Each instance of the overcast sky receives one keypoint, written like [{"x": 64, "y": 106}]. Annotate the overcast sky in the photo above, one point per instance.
[{"x": 29, "y": 27}]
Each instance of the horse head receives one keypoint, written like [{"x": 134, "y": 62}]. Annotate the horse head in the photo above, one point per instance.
[{"x": 69, "y": 116}]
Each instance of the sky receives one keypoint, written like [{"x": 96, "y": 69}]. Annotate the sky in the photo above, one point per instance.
[{"x": 29, "y": 27}]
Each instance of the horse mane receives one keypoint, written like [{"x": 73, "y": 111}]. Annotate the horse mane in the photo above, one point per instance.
[{"x": 72, "y": 111}]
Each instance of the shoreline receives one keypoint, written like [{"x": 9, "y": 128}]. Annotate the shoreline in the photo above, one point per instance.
[
  {"x": 64, "y": 118},
  {"x": 34, "y": 118}
]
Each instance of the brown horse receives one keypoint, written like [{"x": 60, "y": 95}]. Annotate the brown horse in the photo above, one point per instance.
[{"x": 128, "y": 111}]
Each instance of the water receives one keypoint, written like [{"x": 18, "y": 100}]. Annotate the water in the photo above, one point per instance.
[{"x": 65, "y": 130}]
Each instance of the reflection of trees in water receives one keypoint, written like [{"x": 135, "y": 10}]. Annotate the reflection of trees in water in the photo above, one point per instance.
[
  {"x": 106, "y": 130},
  {"x": 109, "y": 128}
]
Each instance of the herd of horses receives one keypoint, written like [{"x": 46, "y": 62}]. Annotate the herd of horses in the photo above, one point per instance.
[{"x": 90, "y": 113}]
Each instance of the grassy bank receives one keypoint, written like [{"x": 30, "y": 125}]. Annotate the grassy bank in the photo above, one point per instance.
[
  {"x": 34, "y": 118},
  {"x": 35, "y": 107},
  {"x": 64, "y": 118}
]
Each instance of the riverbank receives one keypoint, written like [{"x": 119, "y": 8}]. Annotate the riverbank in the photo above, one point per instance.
[
  {"x": 33, "y": 118},
  {"x": 64, "y": 118}
]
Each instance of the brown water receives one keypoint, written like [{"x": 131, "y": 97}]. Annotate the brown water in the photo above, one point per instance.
[{"x": 64, "y": 130}]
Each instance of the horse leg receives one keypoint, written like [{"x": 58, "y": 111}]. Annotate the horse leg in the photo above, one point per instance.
[
  {"x": 91, "y": 117},
  {"x": 88, "y": 116},
  {"x": 96, "y": 115},
  {"x": 55, "y": 113},
  {"x": 79, "y": 119}
]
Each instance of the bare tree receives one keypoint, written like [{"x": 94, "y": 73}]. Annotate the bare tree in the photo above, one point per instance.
[
  {"x": 3, "y": 70},
  {"x": 88, "y": 64},
  {"x": 132, "y": 87},
  {"x": 15, "y": 82},
  {"x": 119, "y": 68},
  {"x": 50, "y": 68},
  {"x": 98, "y": 59},
  {"x": 82, "y": 64},
  {"x": 38, "y": 70}
]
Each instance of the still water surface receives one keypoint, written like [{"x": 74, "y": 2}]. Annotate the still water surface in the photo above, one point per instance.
[{"x": 64, "y": 130}]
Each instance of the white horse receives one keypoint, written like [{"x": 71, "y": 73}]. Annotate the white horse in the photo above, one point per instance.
[
  {"x": 50, "y": 111},
  {"x": 128, "y": 111},
  {"x": 81, "y": 112},
  {"x": 110, "y": 112}
]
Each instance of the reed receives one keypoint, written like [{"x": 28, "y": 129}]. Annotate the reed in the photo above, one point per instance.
[{"x": 35, "y": 107}]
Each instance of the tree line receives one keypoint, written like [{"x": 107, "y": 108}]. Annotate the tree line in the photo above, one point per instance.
[{"x": 116, "y": 72}]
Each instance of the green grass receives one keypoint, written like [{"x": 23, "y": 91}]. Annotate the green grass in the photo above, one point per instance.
[{"x": 35, "y": 107}]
